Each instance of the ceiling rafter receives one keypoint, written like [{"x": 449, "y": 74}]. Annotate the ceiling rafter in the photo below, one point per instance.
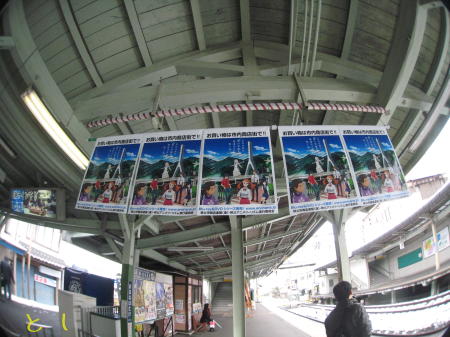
[
  {"x": 247, "y": 266},
  {"x": 402, "y": 58},
  {"x": 246, "y": 256},
  {"x": 231, "y": 89},
  {"x": 137, "y": 31},
  {"x": 198, "y": 24},
  {"x": 292, "y": 33},
  {"x": 6, "y": 42},
  {"x": 80, "y": 44},
  {"x": 330, "y": 116},
  {"x": 163, "y": 69},
  {"x": 433, "y": 75}
]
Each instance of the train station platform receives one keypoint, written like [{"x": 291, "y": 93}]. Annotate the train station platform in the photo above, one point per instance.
[{"x": 266, "y": 321}]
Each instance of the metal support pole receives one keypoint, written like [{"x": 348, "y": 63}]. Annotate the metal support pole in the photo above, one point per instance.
[
  {"x": 14, "y": 287},
  {"x": 434, "y": 288},
  {"x": 393, "y": 297},
  {"x": 340, "y": 243},
  {"x": 238, "y": 276},
  {"x": 29, "y": 275},
  {"x": 436, "y": 253},
  {"x": 127, "y": 317}
]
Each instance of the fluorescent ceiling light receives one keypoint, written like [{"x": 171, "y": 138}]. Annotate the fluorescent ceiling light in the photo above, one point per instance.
[
  {"x": 189, "y": 249},
  {"x": 52, "y": 127}
]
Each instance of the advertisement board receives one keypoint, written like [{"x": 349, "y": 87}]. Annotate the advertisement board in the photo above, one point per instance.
[
  {"x": 144, "y": 296},
  {"x": 108, "y": 178},
  {"x": 379, "y": 176},
  {"x": 42, "y": 202},
  {"x": 167, "y": 175},
  {"x": 237, "y": 175},
  {"x": 317, "y": 169}
]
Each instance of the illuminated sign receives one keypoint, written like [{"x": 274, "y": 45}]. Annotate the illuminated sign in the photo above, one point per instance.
[{"x": 48, "y": 203}]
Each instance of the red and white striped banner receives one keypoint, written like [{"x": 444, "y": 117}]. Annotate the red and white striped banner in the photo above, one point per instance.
[
  {"x": 232, "y": 107},
  {"x": 345, "y": 107}
]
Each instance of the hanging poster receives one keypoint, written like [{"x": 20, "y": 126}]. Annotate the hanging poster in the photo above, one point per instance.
[
  {"x": 443, "y": 239},
  {"x": 168, "y": 290},
  {"x": 237, "y": 175},
  {"x": 379, "y": 176},
  {"x": 144, "y": 295},
  {"x": 160, "y": 301},
  {"x": 429, "y": 247},
  {"x": 106, "y": 183},
  {"x": 167, "y": 175},
  {"x": 317, "y": 169}
]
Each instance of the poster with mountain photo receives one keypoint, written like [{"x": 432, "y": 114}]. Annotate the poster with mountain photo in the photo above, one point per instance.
[
  {"x": 317, "y": 170},
  {"x": 237, "y": 175},
  {"x": 107, "y": 180},
  {"x": 379, "y": 176},
  {"x": 167, "y": 175}
]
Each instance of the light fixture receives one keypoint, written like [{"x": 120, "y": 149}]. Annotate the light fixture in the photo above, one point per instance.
[
  {"x": 48, "y": 122},
  {"x": 189, "y": 249}
]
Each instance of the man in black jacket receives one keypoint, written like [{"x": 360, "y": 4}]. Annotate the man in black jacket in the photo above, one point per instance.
[
  {"x": 7, "y": 277},
  {"x": 349, "y": 318}
]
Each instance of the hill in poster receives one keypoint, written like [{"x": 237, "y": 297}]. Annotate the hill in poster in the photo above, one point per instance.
[
  {"x": 98, "y": 172},
  {"x": 307, "y": 164},
  {"x": 366, "y": 162},
  {"x": 149, "y": 171},
  {"x": 220, "y": 168}
]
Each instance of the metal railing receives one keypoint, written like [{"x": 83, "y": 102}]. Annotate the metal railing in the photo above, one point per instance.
[
  {"x": 430, "y": 312},
  {"x": 105, "y": 311}
]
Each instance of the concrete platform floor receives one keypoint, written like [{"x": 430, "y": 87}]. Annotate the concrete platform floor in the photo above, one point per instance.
[{"x": 263, "y": 323}]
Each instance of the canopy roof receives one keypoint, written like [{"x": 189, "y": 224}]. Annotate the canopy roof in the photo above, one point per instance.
[{"x": 93, "y": 59}]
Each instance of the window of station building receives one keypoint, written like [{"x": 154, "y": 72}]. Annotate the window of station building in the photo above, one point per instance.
[
  {"x": 48, "y": 237},
  {"x": 16, "y": 228},
  {"x": 331, "y": 283},
  {"x": 196, "y": 294},
  {"x": 31, "y": 232}
]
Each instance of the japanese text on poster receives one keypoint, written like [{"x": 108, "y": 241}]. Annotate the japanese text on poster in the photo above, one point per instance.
[
  {"x": 237, "y": 175},
  {"x": 378, "y": 174},
  {"x": 317, "y": 170},
  {"x": 167, "y": 175},
  {"x": 107, "y": 180}
]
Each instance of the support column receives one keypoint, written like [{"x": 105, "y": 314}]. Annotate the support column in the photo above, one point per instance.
[
  {"x": 343, "y": 262},
  {"x": 436, "y": 252},
  {"x": 238, "y": 276},
  {"x": 127, "y": 317},
  {"x": 14, "y": 286},
  {"x": 393, "y": 297},
  {"x": 434, "y": 288}
]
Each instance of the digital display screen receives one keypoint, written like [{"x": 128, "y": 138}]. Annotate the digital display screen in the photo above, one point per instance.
[{"x": 38, "y": 202}]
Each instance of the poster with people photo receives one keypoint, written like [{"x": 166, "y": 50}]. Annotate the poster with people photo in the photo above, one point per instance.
[
  {"x": 107, "y": 180},
  {"x": 144, "y": 295},
  {"x": 168, "y": 289},
  {"x": 317, "y": 170},
  {"x": 379, "y": 176},
  {"x": 167, "y": 175},
  {"x": 160, "y": 300},
  {"x": 237, "y": 175}
]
